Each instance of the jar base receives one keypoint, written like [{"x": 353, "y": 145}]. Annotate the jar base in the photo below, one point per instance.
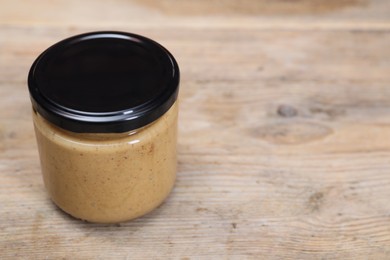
[{"x": 90, "y": 221}]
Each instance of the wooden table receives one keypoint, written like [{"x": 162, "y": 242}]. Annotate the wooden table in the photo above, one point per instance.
[{"x": 284, "y": 146}]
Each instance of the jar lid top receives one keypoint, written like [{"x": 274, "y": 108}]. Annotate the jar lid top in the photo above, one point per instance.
[{"x": 104, "y": 82}]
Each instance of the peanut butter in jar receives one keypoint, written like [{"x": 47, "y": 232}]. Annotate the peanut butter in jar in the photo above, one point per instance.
[{"x": 105, "y": 115}]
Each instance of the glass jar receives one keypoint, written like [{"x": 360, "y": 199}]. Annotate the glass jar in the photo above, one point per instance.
[{"x": 105, "y": 116}]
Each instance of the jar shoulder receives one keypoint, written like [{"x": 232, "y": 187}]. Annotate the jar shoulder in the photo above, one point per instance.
[{"x": 162, "y": 126}]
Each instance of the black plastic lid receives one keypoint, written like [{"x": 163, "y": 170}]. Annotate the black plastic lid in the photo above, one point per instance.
[{"x": 104, "y": 82}]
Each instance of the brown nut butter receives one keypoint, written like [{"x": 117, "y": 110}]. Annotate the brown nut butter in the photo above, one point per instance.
[{"x": 105, "y": 116}]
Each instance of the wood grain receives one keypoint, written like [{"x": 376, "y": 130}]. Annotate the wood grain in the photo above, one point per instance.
[{"x": 284, "y": 139}]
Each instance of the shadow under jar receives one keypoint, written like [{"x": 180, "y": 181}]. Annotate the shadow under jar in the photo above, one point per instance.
[{"x": 105, "y": 116}]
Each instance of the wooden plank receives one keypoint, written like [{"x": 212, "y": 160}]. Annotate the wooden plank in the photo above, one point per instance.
[
  {"x": 284, "y": 147},
  {"x": 275, "y": 14},
  {"x": 284, "y": 141}
]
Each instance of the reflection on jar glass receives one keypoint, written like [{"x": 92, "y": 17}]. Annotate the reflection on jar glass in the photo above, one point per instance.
[{"x": 105, "y": 115}]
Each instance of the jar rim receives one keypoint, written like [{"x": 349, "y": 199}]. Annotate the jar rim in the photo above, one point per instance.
[{"x": 103, "y": 82}]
